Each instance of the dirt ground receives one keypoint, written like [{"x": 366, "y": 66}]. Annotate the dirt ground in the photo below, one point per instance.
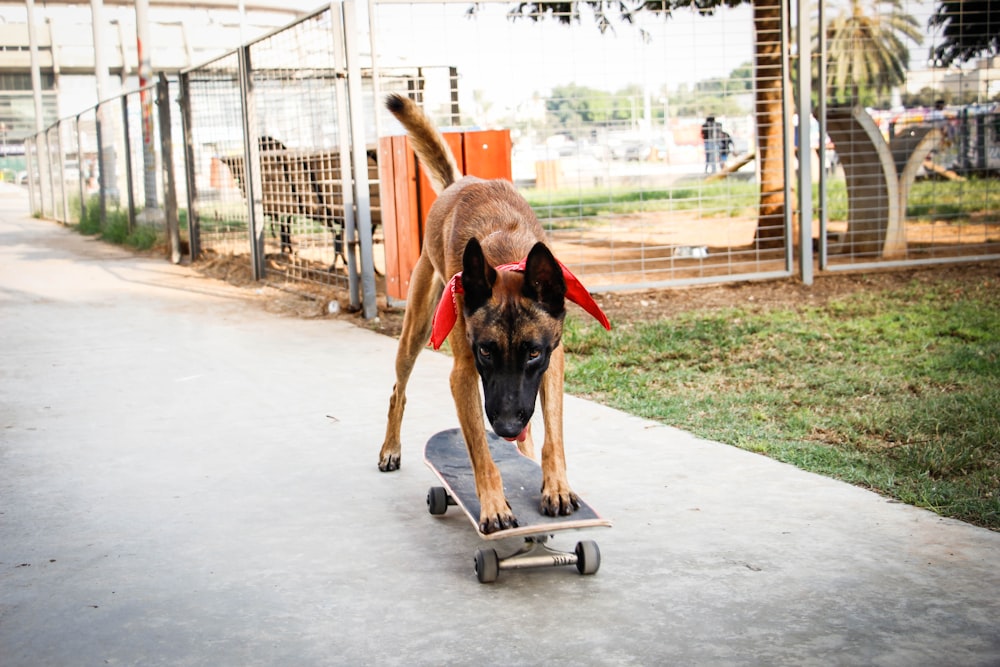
[{"x": 313, "y": 301}]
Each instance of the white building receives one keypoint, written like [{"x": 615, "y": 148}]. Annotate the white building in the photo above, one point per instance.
[{"x": 183, "y": 33}]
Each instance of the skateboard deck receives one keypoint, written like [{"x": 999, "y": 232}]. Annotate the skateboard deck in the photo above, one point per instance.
[{"x": 445, "y": 454}]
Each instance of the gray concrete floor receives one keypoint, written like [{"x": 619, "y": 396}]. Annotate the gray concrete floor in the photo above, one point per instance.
[{"x": 186, "y": 479}]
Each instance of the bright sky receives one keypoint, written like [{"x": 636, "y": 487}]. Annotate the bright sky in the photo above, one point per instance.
[
  {"x": 506, "y": 61},
  {"x": 504, "y": 58}
]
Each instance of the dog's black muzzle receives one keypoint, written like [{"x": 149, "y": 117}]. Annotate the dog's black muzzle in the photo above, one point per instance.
[{"x": 509, "y": 403}]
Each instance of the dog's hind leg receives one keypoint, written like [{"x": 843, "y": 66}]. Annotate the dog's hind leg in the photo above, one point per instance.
[
  {"x": 425, "y": 290},
  {"x": 557, "y": 496}
]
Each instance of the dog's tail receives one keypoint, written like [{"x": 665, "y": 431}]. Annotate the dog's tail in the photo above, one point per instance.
[{"x": 434, "y": 154}]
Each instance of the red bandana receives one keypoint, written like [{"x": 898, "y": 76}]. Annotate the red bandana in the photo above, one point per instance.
[{"x": 447, "y": 309}]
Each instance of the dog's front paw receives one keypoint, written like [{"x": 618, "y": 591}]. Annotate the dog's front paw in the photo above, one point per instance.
[
  {"x": 498, "y": 518},
  {"x": 559, "y": 501},
  {"x": 389, "y": 459}
]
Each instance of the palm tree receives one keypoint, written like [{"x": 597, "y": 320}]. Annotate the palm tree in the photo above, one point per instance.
[{"x": 866, "y": 50}]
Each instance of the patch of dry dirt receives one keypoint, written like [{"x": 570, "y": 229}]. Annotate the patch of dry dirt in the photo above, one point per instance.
[{"x": 313, "y": 301}]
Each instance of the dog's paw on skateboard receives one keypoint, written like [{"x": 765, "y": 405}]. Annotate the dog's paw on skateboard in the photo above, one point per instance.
[
  {"x": 499, "y": 518},
  {"x": 559, "y": 502}
]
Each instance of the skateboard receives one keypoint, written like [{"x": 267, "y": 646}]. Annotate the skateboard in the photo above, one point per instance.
[{"x": 445, "y": 454}]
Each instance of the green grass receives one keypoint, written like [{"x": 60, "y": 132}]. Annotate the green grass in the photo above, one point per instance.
[
  {"x": 115, "y": 227},
  {"x": 956, "y": 201},
  {"x": 895, "y": 391}
]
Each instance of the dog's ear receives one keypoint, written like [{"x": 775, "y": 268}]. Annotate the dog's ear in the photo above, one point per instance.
[
  {"x": 543, "y": 280},
  {"x": 477, "y": 277}
]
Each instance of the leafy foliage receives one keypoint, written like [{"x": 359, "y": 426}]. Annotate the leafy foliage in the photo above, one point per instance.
[
  {"x": 606, "y": 12},
  {"x": 970, "y": 28},
  {"x": 866, "y": 49},
  {"x": 572, "y": 104}
]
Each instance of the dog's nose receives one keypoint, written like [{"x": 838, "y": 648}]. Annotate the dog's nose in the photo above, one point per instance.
[{"x": 507, "y": 428}]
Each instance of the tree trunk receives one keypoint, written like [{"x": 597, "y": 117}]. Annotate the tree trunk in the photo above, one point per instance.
[{"x": 769, "y": 79}]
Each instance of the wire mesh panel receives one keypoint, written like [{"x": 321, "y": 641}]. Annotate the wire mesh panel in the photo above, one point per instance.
[
  {"x": 74, "y": 170},
  {"x": 294, "y": 83},
  {"x": 88, "y": 155},
  {"x": 910, "y": 173},
  {"x": 112, "y": 163},
  {"x": 180, "y": 176},
  {"x": 33, "y": 180},
  {"x": 218, "y": 197},
  {"x": 39, "y": 175},
  {"x": 55, "y": 172},
  {"x": 142, "y": 126},
  {"x": 636, "y": 145},
  {"x": 53, "y": 204}
]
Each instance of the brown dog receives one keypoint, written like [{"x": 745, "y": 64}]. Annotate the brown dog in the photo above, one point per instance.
[{"x": 507, "y": 323}]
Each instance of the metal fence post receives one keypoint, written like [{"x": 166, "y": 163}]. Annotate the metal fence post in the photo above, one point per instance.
[
  {"x": 824, "y": 216},
  {"x": 51, "y": 203},
  {"x": 167, "y": 163},
  {"x": 144, "y": 46},
  {"x": 184, "y": 101},
  {"x": 362, "y": 195},
  {"x": 346, "y": 168},
  {"x": 30, "y": 145},
  {"x": 102, "y": 167},
  {"x": 79, "y": 158},
  {"x": 62, "y": 180},
  {"x": 128, "y": 165},
  {"x": 805, "y": 143},
  {"x": 251, "y": 166},
  {"x": 787, "y": 111}
]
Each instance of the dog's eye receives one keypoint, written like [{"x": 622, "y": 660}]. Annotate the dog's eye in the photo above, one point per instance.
[
  {"x": 534, "y": 354},
  {"x": 484, "y": 352}
]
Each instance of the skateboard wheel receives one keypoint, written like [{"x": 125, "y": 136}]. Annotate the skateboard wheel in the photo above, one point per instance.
[
  {"x": 487, "y": 565},
  {"x": 588, "y": 557},
  {"x": 437, "y": 500}
]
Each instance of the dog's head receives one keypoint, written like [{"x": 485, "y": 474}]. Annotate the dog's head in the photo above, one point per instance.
[{"x": 513, "y": 321}]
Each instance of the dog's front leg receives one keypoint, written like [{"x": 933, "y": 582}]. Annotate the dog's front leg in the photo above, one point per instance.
[
  {"x": 557, "y": 496},
  {"x": 494, "y": 514},
  {"x": 425, "y": 290}
]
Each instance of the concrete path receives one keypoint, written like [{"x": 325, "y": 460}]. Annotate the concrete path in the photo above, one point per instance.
[{"x": 186, "y": 479}]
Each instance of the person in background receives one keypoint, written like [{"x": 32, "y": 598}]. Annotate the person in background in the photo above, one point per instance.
[
  {"x": 711, "y": 135},
  {"x": 936, "y": 116},
  {"x": 725, "y": 147}
]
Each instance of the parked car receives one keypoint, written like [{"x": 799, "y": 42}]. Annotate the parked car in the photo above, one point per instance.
[{"x": 632, "y": 151}]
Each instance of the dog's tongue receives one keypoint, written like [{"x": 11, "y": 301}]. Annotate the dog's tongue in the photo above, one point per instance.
[{"x": 520, "y": 436}]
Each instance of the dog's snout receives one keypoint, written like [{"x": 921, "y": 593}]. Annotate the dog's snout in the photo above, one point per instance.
[
  {"x": 509, "y": 426},
  {"x": 508, "y": 429}
]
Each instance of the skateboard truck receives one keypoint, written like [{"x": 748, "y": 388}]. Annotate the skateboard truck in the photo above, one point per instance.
[{"x": 535, "y": 552}]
